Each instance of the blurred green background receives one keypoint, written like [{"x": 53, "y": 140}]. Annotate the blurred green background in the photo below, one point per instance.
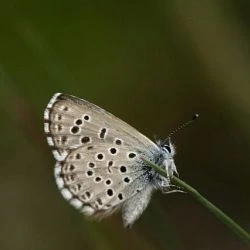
[{"x": 153, "y": 64}]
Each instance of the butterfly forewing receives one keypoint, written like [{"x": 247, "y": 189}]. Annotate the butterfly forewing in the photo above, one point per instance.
[
  {"x": 68, "y": 119},
  {"x": 98, "y": 164}
]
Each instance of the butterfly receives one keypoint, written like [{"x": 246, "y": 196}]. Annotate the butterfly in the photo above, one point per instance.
[{"x": 99, "y": 159}]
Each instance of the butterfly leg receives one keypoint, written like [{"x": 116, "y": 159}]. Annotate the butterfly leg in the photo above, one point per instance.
[{"x": 173, "y": 189}]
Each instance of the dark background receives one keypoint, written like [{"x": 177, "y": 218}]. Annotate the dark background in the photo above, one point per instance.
[{"x": 153, "y": 64}]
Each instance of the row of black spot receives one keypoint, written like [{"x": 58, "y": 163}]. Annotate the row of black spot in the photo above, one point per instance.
[
  {"x": 78, "y": 122},
  {"x": 100, "y": 156},
  {"x": 110, "y": 193},
  {"x": 123, "y": 169},
  {"x": 71, "y": 167},
  {"x": 98, "y": 179},
  {"x": 108, "y": 182}
]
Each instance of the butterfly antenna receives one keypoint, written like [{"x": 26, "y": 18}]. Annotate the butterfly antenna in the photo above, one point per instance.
[{"x": 195, "y": 116}]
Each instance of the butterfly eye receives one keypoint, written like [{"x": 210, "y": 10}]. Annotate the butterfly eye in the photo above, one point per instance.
[{"x": 166, "y": 148}]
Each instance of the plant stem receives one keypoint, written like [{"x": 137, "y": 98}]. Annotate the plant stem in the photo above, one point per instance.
[{"x": 212, "y": 208}]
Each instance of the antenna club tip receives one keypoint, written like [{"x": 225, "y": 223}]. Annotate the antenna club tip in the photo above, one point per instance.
[{"x": 195, "y": 116}]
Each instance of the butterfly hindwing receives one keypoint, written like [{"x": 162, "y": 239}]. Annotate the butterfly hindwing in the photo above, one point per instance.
[{"x": 104, "y": 183}]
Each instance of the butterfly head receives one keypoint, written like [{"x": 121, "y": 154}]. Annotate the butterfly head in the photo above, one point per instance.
[
  {"x": 168, "y": 151},
  {"x": 167, "y": 147}
]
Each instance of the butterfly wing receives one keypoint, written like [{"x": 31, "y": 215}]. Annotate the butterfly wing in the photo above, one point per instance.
[
  {"x": 68, "y": 119},
  {"x": 101, "y": 184},
  {"x": 98, "y": 164}
]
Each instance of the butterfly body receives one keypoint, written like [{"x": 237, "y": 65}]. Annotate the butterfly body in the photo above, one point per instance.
[{"x": 99, "y": 165}]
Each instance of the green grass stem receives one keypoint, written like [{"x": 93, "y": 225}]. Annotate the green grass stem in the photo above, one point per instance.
[{"x": 243, "y": 234}]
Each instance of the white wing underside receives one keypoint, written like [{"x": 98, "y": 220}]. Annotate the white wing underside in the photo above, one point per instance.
[{"x": 98, "y": 167}]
